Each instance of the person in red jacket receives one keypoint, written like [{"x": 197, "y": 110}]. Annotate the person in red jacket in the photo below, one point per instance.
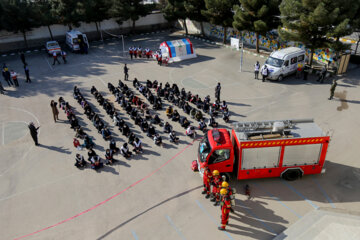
[
  {"x": 225, "y": 210},
  {"x": 217, "y": 180},
  {"x": 230, "y": 195},
  {"x": 207, "y": 177}
]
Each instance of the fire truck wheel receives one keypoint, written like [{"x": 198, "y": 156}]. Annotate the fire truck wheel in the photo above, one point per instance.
[{"x": 291, "y": 175}]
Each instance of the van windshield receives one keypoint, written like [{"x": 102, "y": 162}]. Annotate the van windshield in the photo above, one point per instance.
[
  {"x": 275, "y": 62},
  {"x": 204, "y": 149}
]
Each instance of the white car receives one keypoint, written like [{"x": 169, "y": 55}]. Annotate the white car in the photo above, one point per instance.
[{"x": 53, "y": 46}]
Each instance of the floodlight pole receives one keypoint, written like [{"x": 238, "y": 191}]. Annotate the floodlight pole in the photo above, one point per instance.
[{"x": 241, "y": 55}]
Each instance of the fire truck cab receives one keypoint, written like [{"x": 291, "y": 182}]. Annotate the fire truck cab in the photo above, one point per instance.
[{"x": 284, "y": 148}]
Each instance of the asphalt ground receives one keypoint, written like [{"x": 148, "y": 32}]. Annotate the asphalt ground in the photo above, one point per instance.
[{"x": 155, "y": 195}]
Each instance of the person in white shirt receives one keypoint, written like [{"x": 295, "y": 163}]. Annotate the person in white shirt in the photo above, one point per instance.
[
  {"x": 13, "y": 75},
  {"x": 264, "y": 73},
  {"x": 125, "y": 151},
  {"x": 55, "y": 58},
  {"x": 190, "y": 131},
  {"x": 137, "y": 145}
]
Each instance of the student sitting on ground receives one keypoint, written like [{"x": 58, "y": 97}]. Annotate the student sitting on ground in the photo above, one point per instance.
[
  {"x": 151, "y": 131},
  {"x": 187, "y": 108},
  {"x": 156, "y": 120},
  {"x": 193, "y": 113},
  {"x": 88, "y": 142},
  {"x": 137, "y": 145},
  {"x": 106, "y": 133},
  {"x": 226, "y": 115},
  {"x": 147, "y": 114},
  {"x": 135, "y": 83},
  {"x": 93, "y": 90},
  {"x": 79, "y": 161},
  {"x": 138, "y": 120},
  {"x": 198, "y": 116},
  {"x": 77, "y": 144},
  {"x": 91, "y": 153},
  {"x": 116, "y": 119},
  {"x": 109, "y": 157},
  {"x": 184, "y": 122},
  {"x": 96, "y": 162},
  {"x": 158, "y": 140},
  {"x": 212, "y": 122},
  {"x": 155, "y": 84},
  {"x": 173, "y": 137},
  {"x": 131, "y": 138},
  {"x": 190, "y": 131},
  {"x": 223, "y": 106},
  {"x": 176, "y": 116},
  {"x": 121, "y": 124},
  {"x": 144, "y": 126},
  {"x": 148, "y": 83},
  {"x": 126, "y": 130},
  {"x": 203, "y": 126},
  {"x": 169, "y": 111},
  {"x": 80, "y": 133},
  {"x": 125, "y": 151},
  {"x": 113, "y": 147},
  {"x": 167, "y": 127}
]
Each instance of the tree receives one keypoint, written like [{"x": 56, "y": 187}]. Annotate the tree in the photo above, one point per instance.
[
  {"x": 19, "y": 16},
  {"x": 193, "y": 11},
  {"x": 47, "y": 17},
  {"x": 219, "y": 12},
  {"x": 97, "y": 11},
  {"x": 344, "y": 24},
  {"x": 174, "y": 10},
  {"x": 132, "y": 10},
  {"x": 308, "y": 21},
  {"x": 70, "y": 12},
  {"x": 258, "y": 16}
]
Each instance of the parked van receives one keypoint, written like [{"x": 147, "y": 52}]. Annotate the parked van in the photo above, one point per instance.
[
  {"x": 284, "y": 62},
  {"x": 74, "y": 39}
]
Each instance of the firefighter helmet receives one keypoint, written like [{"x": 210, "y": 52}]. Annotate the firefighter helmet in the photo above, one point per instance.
[
  {"x": 216, "y": 173},
  {"x": 224, "y": 184},
  {"x": 223, "y": 191}
]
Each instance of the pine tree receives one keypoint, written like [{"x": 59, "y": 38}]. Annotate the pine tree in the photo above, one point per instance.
[
  {"x": 308, "y": 21},
  {"x": 219, "y": 12},
  {"x": 47, "y": 17},
  {"x": 70, "y": 12},
  {"x": 132, "y": 10},
  {"x": 175, "y": 10},
  {"x": 193, "y": 11},
  {"x": 19, "y": 16},
  {"x": 97, "y": 11},
  {"x": 258, "y": 16}
]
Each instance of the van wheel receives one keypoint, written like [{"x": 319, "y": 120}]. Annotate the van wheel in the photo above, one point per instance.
[
  {"x": 280, "y": 78},
  {"x": 226, "y": 176},
  {"x": 291, "y": 175}
]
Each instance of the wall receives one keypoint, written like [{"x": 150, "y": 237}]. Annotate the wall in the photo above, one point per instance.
[
  {"x": 36, "y": 38},
  {"x": 270, "y": 42}
]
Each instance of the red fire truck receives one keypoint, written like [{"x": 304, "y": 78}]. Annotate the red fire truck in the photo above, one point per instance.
[{"x": 285, "y": 148}]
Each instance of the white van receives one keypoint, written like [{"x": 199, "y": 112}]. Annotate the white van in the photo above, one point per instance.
[
  {"x": 73, "y": 39},
  {"x": 284, "y": 62}
]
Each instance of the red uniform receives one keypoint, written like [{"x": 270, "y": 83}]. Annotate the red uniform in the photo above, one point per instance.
[
  {"x": 225, "y": 210},
  {"x": 207, "y": 177},
  {"x": 217, "y": 181}
]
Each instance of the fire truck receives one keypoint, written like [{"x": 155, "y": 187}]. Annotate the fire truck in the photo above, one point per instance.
[{"x": 287, "y": 148}]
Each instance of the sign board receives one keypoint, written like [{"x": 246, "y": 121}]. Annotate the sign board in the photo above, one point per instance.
[{"x": 235, "y": 43}]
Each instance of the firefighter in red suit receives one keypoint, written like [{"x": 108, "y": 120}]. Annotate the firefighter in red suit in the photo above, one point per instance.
[
  {"x": 207, "y": 177},
  {"x": 225, "y": 209},
  {"x": 216, "y": 182},
  {"x": 230, "y": 194}
]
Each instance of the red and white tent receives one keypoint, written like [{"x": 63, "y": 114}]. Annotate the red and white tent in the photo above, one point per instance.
[{"x": 177, "y": 50}]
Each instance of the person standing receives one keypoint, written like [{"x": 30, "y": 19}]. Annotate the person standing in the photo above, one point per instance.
[
  {"x": 6, "y": 75},
  {"x": 217, "y": 91},
  {"x": 22, "y": 57},
  {"x": 33, "y": 132},
  {"x": 126, "y": 73},
  {"x": 54, "y": 109},
  {"x": 264, "y": 73},
  {"x": 306, "y": 71},
  {"x": 322, "y": 74},
  {"x": 14, "y": 78},
  {"x": 332, "y": 89},
  {"x": 63, "y": 55},
  {"x": 55, "y": 58},
  {"x": 131, "y": 52},
  {"x": 225, "y": 210},
  {"x": 257, "y": 69},
  {"x": 27, "y": 74},
  {"x": 207, "y": 176}
]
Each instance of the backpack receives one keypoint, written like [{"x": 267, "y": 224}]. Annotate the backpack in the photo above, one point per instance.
[{"x": 194, "y": 166}]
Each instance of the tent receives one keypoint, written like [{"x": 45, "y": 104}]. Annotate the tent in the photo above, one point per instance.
[{"x": 177, "y": 50}]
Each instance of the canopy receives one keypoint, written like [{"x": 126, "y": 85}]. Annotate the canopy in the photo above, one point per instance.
[{"x": 177, "y": 50}]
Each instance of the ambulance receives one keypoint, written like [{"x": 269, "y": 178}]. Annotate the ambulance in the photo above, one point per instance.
[
  {"x": 288, "y": 149},
  {"x": 284, "y": 62},
  {"x": 51, "y": 47},
  {"x": 73, "y": 39}
]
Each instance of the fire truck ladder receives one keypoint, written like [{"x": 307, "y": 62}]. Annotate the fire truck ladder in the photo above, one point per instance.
[{"x": 267, "y": 127}]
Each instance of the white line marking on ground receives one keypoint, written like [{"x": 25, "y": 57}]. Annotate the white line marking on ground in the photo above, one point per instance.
[
  {"x": 52, "y": 69},
  {"x": 103, "y": 82}
]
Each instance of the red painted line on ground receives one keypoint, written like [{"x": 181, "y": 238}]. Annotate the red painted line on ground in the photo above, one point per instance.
[{"x": 105, "y": 201}]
